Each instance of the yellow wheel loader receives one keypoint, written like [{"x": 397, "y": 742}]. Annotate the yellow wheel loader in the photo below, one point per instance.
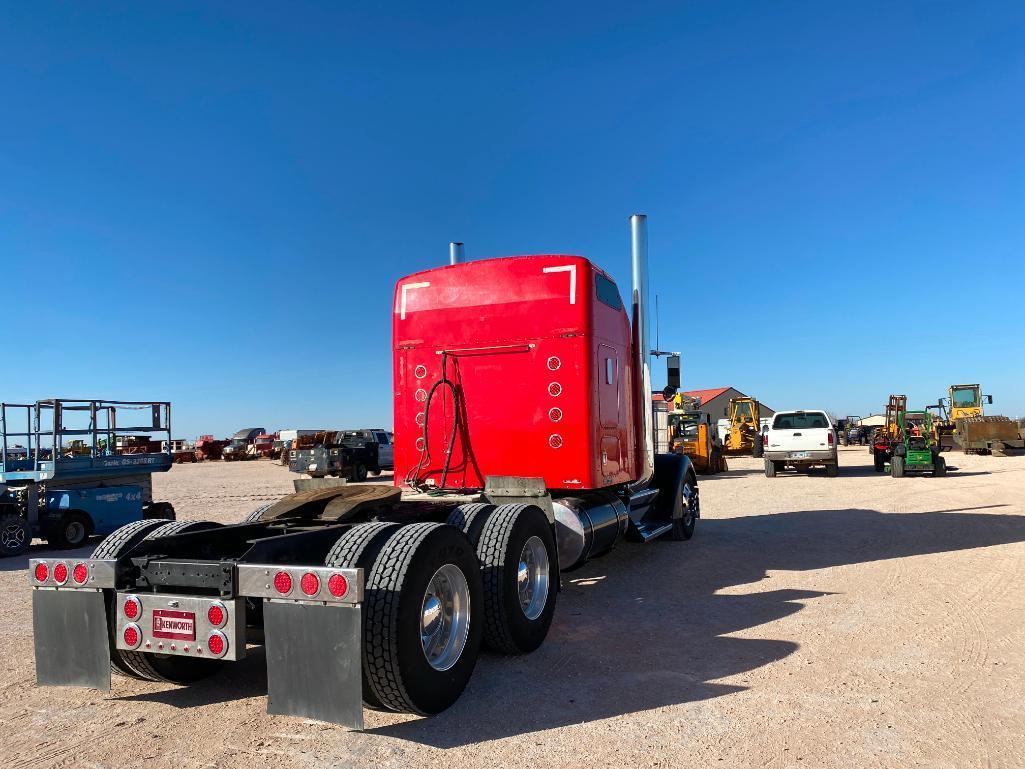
[{"x": 971, "y": 429}]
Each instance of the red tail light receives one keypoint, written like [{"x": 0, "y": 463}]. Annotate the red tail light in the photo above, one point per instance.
[
  {"x": 310, "y": 583},
  {"x": 765, "y": 439},
  {"x": 216, "y": 615},
  {"x": 830, "y": 438},
  {"x": 337, "y": 585},
  {"x": 80, "y": 574},
  {"x": 217, "y": 643},
  {"x": 132, "y": 637},
  {"x": 283, "y": 582},
  {"x": 42, "y": 572},
  {"x": 133, "y": 607},
  {"x": 60, "y": 573}
]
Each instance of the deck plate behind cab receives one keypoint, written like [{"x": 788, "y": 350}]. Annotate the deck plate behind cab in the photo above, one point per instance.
[{"x": 334, "y": 503}]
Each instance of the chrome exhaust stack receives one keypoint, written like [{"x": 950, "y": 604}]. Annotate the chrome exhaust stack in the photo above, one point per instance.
[
  {"x": 642, "y": 350},
  {"x": 455, "y": 253}
]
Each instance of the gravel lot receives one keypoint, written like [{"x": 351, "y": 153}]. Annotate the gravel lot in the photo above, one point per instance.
[{"x": 812, "y": 622}]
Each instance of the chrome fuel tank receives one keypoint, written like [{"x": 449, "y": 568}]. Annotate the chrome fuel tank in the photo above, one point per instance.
[{"x": 587, "y": 525}]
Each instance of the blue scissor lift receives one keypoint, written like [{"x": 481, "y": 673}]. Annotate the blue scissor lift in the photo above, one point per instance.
[{"x": 69, "y": 469}]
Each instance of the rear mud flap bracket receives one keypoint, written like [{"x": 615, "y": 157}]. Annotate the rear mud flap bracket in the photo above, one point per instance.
[
  {"x": 314, "y": 666},
  {"x": 70, "y": 636}
]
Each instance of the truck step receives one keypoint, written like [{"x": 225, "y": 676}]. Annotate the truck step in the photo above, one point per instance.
[{"x": 651, "y": 529}]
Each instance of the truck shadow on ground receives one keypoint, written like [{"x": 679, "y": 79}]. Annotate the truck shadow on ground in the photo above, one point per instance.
[{"x": 647, "y": 626}]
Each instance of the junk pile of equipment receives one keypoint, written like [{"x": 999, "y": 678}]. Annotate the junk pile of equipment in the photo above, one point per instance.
[{"x": 208, "y": 447}]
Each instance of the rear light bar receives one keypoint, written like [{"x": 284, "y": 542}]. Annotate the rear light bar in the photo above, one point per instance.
[
  {"x": 66, "y": 574},
  {"x": 181, "y": 625},
  {"x": 308, "y": 584}
]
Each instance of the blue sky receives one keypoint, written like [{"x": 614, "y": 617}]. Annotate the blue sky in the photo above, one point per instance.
[{"x": 210, "y": 202}]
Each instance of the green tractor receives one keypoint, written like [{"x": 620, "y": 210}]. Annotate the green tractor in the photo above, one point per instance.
[{"x": 915, "y": 448}]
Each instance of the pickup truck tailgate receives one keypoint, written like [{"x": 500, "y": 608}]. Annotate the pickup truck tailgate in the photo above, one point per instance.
[{"x": 800, "y": 431}]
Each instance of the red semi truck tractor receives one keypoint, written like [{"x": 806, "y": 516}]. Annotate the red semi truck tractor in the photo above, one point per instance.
[{"x": 524, "y": 445}]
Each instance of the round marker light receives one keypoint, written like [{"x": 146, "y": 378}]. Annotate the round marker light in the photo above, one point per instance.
[
  {"x": 132, "y": 636},
  {"x": 338, "y": 585},
  {"x": 310, "y": 583},
  {"x": 283, "y": 582},
  {"x": 216, "y": 615},
  {"x": 554, "y": 364},
  {"x": 217, "y": 643},
  {"x": 555, "y": 389},
  {"x": 555, "y": 441},
  {"x": 555, "y": 414},
  {"x": 420, "y": 372},
  {"x": 41, "y": 572},
  {"x": 60, "y": 573},
  {"x": 80, "y": 574},
  {"x": 132, "y": 607}
]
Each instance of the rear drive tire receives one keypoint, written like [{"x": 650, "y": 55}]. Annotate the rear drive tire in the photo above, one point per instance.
[
  {"x": 770, "y": 468},
  {"x": 519, "y": 567},
  {"x": 15, "y": 535},
  {"x": 71, "y": 531},
  {"x": 897, "y": 466},
  {"x": 757, "y": 450},
  {"x": 423, "y": 625},
  {"x": 939, "y": 467},
  {"x": 358, "y": 472},
  {"x": 358, "y": 548},
  {"x": 167, "y": 668},
  {"x": 879, "y": 462},
  {"x": 715, "y": 462},
  {"x": 121, "y": 541},
  {"x": 254, "y": 516},
  {"x": 470, "y": 519},
  {"x": 832, "y": 470}
]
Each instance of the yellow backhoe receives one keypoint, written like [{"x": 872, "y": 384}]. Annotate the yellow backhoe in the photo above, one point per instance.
[{"x": 743, "y": 436}]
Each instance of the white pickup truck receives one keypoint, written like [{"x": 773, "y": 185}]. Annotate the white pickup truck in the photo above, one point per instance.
[{"x": 800, "y": 439}]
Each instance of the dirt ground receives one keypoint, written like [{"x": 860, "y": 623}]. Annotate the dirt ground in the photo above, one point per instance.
[{"x": 812, "y": 622}]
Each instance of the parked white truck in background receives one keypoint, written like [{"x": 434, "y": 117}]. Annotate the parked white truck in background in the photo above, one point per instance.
[{"x": 800, "y": 439}]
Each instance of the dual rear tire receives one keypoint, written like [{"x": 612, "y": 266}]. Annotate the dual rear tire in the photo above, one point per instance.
[
  {"x": 435, "y": 593},
  {"x": 150, "y": 667}
]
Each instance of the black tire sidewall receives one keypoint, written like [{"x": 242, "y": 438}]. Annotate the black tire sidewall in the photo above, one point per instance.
[
  {"x": 683, "y": 531},
  {"x": 525, "y": 633},
  {"x": 430, "y": 690}
]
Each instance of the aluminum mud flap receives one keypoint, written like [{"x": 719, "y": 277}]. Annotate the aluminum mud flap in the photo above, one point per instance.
[
  {"x": 312, "y": 620},
  {"x": 69, "y": 626}
]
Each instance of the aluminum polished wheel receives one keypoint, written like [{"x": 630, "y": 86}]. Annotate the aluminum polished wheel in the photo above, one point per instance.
[
  {"x": 692, "y": 504},
  {"x": 445, "y": 617},
  {"x": 532, "y": 578}
]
